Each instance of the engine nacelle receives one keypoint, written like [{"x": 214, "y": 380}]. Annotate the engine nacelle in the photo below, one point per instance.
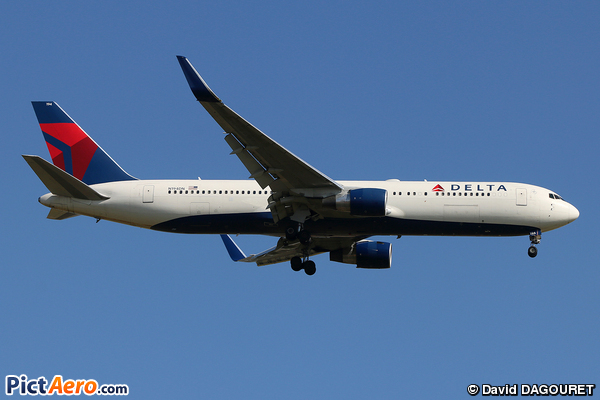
[
  {"x": 369, "y": 202},
  {"x": 365, "y": 254}
]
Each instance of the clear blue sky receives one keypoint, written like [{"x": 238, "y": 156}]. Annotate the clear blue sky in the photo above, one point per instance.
[{"x": 465, "y": 91}]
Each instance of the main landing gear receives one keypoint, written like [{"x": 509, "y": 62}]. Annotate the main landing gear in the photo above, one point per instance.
[
  {"x": 534, "y": 237},
  {"x": 308, "y": 266},
  {"x": 294, "y": 232}
]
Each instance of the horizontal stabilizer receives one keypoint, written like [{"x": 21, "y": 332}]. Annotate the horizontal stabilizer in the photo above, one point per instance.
[
  {"x": 55, "y": 213},
  {"x": 60, "y": 182}
]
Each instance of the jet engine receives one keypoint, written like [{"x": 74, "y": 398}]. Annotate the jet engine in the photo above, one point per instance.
[
  {"x": 365, "y": 254},
  {"x": 369, "y": 202}
]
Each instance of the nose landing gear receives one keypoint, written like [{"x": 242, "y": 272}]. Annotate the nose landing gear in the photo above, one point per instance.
[
  {"x": 534, "y": 237},
  {"x": 532, "y": 251}
]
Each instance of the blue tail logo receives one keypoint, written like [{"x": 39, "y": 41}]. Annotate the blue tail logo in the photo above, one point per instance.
[{"x": 73, "y": 150}]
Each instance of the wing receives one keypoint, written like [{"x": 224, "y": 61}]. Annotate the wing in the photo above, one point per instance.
[
  {"x": 269, "y": 163},
  {"x": 285, "y": 251},
  {"x": 281, "y": 252}
]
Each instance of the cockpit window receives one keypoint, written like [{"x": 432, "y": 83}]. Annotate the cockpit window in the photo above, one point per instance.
[
  {"x": 551, "y": 196},
  {"x": 555, "y": 196}
]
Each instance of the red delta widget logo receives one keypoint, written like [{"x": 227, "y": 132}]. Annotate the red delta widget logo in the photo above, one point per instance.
[
  {"x": 468, "y": 187},
  {"x": 21, "y": 385}
]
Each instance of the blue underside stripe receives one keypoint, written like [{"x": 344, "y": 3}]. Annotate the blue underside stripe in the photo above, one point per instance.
[{"x": 262, "y": 223}]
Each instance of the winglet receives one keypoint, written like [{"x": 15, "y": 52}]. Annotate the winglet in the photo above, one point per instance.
[
  {"x": 234, "y": 251},
  {"x": 197, "y": 84}
]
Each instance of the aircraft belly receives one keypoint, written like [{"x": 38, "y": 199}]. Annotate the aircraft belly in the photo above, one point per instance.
[
  {"x": 262, "y": 223},
  {"x": 243, "y": 223},
  {"x": 412, "y": 227}
]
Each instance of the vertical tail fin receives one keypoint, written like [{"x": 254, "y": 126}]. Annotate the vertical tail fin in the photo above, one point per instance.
[{"x": 72, "y": 150}]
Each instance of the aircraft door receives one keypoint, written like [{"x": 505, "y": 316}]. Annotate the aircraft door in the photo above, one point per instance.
[
  {"x": 148, "y": 194},
  {"x": 521, "y": 197}
]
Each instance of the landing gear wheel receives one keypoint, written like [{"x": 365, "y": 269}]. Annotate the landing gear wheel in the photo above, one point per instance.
[
  {"x": 304, "y": 237},
  {"x": 296, "y": 263},
  {"x": 532, "y": 251},
  {"x": 310, "y": 267},
  {"x": 291, "y": 232}
]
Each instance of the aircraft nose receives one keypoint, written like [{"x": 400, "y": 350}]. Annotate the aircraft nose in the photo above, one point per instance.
[{"x": 573, "y": 213}]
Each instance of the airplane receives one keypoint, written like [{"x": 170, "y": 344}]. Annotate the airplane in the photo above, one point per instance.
[{"x": 284, "y": 197}]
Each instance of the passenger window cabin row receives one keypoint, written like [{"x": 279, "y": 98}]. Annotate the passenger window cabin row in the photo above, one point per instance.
[{"x": 217, "y": 192}]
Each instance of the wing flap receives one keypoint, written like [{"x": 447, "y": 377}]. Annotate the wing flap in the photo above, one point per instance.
[
  {"x": 280, "y": 253},
  {"x": 257, "y": 171}
]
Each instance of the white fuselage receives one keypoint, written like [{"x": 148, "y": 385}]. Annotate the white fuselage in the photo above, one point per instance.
[{"x": 155, "y": 204}]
